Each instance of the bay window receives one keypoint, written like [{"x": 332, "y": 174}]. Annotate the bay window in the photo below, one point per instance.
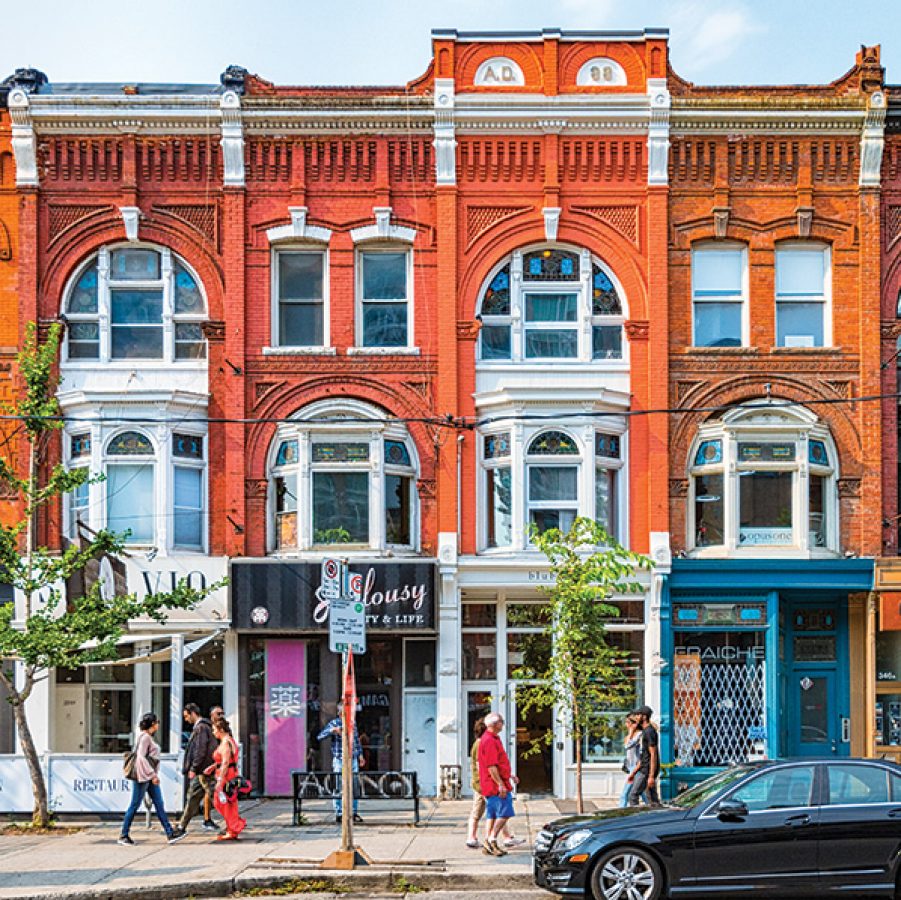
[
  {"x": 352, "y": 485},
  {"x": 545, "y": 479},
  {"x": 130, "y": 487},
  {"x": 550, "y": 304},
  {"x": 134, "y": 303},
  {"x": 763, "y": 481}
]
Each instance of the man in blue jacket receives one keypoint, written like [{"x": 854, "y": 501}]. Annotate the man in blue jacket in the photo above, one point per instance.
[{"x": 335, "y": 730}]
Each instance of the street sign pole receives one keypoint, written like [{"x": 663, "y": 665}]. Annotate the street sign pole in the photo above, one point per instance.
[{"x": 347, "y": 724}]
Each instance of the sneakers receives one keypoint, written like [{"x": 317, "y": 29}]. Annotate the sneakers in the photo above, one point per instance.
[
  {"x": 358, "y": 819},
  {"x": 210, "y": 825},
  {"x": 125, "y": 840},
  {"x": 514, "y": 842},
  {"x": 179, "y": 834},
  {"x": 473, "y": 845}
]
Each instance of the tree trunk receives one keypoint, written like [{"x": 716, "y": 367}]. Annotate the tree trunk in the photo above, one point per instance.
[
  {"x": 577, "y": 735},
  {"x": 40, "y": 816}
]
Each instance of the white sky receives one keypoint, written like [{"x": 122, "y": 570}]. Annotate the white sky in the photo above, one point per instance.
[{"x": 388, "y": 41}]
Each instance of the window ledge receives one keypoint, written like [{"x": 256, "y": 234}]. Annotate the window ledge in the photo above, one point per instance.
[
  {"x": 383, "y": 351},
  {"x": 807, "y": 351},
  {"x": 299, "y": 351},
  {"x": 762, "y": 552},
  {"x": 720, "y": 351}
]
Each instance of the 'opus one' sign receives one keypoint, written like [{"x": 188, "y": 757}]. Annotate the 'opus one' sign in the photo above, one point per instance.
[{"x": 276, "y": 595}]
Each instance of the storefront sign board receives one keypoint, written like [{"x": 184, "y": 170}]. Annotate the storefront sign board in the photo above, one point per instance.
[
  {"x": 162, "y": 574},
  {"x": 396, "y": 597},
  {"x": 96, "y": 784},
  {"x": 890, "y": 610}
]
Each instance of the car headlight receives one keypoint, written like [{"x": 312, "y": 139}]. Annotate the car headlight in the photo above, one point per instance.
[{"x": 573, "y": 839}]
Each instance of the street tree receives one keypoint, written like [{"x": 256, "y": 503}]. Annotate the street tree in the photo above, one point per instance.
[
  {"x": 578, "y": 673},
  {"x": 47, "y": 626}
]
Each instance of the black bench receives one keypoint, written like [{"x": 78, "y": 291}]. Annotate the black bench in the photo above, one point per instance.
[{"x": 367, "y": 786}]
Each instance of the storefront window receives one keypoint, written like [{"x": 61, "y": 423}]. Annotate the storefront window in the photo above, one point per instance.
[
  {"x": 765, "y": 508},
  {"x": 528, "y": 654},
  {"x": 479, "y": 656},
  {"x": 419, "y": 664},
  {"x": 605, "y": 739},
  {"x": 111, "y": 706},
  {"x": 719, "y": 687}
]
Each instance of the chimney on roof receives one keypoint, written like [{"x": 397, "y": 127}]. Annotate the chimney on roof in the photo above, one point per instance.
[{"x": 233, "y": 79}]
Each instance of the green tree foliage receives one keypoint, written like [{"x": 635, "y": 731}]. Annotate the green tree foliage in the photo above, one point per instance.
[
  {"x": 47, "y": 627},
  {"x": 581, "y": 675}
]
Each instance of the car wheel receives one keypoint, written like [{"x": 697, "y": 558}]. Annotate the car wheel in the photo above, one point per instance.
[{"x": 627, "y": 873}]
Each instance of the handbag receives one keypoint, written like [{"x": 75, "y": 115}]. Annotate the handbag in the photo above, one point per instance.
[
  {"x": 237, "y": 785},
  {"x": 130, "y": 763}
]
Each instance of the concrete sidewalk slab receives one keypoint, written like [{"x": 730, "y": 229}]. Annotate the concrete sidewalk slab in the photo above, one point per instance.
[{"x": 89, "y": 865}]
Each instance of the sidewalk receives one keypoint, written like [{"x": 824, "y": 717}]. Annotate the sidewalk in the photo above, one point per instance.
[{"x": 90, "y": 865}]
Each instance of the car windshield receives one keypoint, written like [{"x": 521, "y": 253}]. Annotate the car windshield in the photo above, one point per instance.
[{"x": 706, "y": 789}]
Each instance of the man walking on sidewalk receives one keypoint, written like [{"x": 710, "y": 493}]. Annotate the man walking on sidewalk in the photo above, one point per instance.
[
  {"x": 496, "y": 782},
  {"x": 198, "y": 758},
  {"x": 334, "y": 730},
  {"x": 644, "y": 778}
]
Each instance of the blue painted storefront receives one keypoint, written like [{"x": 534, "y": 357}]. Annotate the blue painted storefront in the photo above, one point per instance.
[{"x": 756, "y": 657}]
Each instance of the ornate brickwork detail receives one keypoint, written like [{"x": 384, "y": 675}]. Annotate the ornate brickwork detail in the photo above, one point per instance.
[
  {"x": 890, "y": 329},
  {"x": 202, "y": 217},
  {"x": 428, "y": 488},
  {"x": 683, "y": 389},
  {"x": 178, "y": 159},
  {"x": 81, "y": 159},
  {"x": 421, "y": 387},
  {"x": 637, "y": 330},
  {"x": 468, "y": 331},
  {"x": 339, "y": 160},
  {"x": 763, "y": 161},
  {"x": 494, "y": 160},
  {"x": 63, "y": 216},
  {"x": 693, "y": 161},
  {"x": 213, "y": 331},
  {"x": 6, "y": 250},
  {"x": 261, "y": 388},
  {"x": 849, "y": 487},
  {"x": 834, "y": 161},
  {"x": 480, "y": 218},
  {"x": 623, "y": 219},
  {"x": 844, "y": 389},
  {"x": 892, "y": 224},
  {"x": 256, "y": 488},
  {"x": 592, "y": 160},
  {"x": 678, "y": 487}
]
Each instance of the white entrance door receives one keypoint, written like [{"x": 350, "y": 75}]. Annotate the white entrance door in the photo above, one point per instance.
[{"x": 420, "y": 711}]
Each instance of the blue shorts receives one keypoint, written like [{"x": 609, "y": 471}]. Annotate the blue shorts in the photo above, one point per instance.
[{"x": 499, "y": 807}]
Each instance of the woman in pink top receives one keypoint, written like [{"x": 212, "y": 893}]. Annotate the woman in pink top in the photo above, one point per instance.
[{"x": 147, "y": 781}]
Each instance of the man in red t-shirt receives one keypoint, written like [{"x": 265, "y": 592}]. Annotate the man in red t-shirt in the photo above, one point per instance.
[{"x": 496, "y": 782}]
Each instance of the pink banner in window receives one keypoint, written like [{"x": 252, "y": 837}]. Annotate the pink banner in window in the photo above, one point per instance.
[{"x": 286, "y": 713}]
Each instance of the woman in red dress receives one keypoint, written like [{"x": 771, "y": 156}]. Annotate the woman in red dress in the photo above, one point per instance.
[{"x": 226, "y": 768}]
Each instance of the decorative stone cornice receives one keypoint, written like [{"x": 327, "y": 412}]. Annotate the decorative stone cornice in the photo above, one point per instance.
[
  {"x": 131, "y": 218},
  {"x": 468, "y": 330},
  {"x": 298, "y": 229},
  {"x": 383, "y": 229},
  {"x": 551, "y": 222},
  {"x": 658, "y": 131}
]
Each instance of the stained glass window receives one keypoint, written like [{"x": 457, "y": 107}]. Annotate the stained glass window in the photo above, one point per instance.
[
  {"x": 497, "y": 445},
  {"x": 134, "y": 264},
  {"x": 553, "y": 443},
  {"x": 607, "y": 445},
  {"x": 83, "y": 299},
  {"x": 287, "y": 453},
  {"x": 550, "y": 265},
  {"x": 496, "y": 299},
  {"x": 130, "y": 443},
  {"x": 709, "y": 453},
  {"x": 397, "y": 454},
  {"x": 80, "y": 446},
  {"x": 330, "y": 452},
  {"x": 188, "y": 446},
  {"x": 765, "y": 452},
  {"x": 604, "y": 299},
  {"x": 817, "y": 453}
]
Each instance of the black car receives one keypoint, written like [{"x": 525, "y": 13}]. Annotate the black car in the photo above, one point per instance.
[{"x": 773, "y": 828}]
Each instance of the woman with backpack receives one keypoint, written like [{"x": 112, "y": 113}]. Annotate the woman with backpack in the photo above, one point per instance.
[
  {"x": 142, "y": 768},
  {"x": 225, "y": 769}
]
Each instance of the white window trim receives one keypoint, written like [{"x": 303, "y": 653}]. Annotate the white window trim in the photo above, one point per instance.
[
  {"x": 745, "y": 277},
  {"x": 275, "y": 346},
  {"x": 306, "y": 431},
  {"x": 809, "y": 247},
  {"x": 583, "y": 433},
  {"x": 801, "y": 431},
  {"x": 101, "y": 259},
  {"x": 410, "y": 348},
  {"x": 583, "y": 325},
  {"x": 163, "y": 462}
]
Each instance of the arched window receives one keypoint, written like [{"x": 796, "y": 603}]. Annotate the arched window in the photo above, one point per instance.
[
  {"x": 764, "y": 479},
  {"x": 559, "y": 475},
  {"x": 551, "y": 304},
  {"x": 134, "y": 303},
  {"x": 342, "y": 475}
]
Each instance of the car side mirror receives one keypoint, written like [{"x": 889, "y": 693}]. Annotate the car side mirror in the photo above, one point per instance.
[{"x": 731, "y": 809}]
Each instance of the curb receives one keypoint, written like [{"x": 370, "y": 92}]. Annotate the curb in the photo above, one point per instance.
[{"x": 359, "y": 881}]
